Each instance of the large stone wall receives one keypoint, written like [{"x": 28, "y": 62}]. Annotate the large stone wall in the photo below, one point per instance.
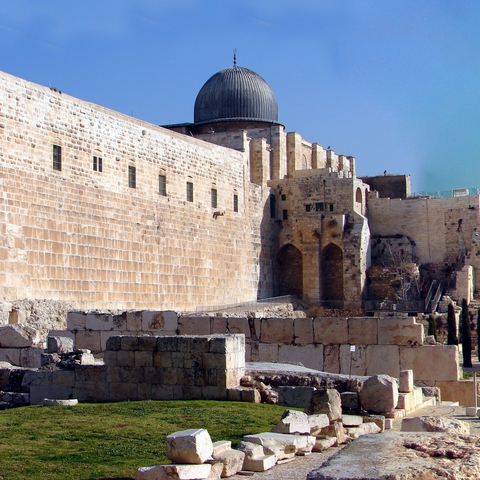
[
  {"x": 149, "y": 368},
  {"x": 382, "y": 345},
  {"x": 442, "y": 228},
  {"x": 86, "y": 237}
]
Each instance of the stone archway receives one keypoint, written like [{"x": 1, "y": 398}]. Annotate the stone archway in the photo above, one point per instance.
[
  {"x": 288, "y": 271},
  {"x": 332, "y": 272}
]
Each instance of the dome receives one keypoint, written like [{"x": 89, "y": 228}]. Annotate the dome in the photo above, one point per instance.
[{"x": 235, "y": 94}]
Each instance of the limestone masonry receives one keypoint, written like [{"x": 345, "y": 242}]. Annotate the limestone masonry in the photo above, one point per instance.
[{"x": 104, "y": 211}]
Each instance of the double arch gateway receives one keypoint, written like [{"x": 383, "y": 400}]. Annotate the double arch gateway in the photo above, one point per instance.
[{"x": 288, "y": 272}]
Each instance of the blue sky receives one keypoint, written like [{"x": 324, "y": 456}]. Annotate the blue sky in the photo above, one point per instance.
[{"x": 393, "y": 83}]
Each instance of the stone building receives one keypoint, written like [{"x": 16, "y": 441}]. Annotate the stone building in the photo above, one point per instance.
[{"x": 106, "y": 211}]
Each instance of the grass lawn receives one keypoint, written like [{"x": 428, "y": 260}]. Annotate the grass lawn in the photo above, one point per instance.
[{"x": 112, "y": 440}]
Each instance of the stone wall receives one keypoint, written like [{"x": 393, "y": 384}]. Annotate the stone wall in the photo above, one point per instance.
[
  {"x": 382, "y": 345},
  {"x": 443, "y": 229},
  {"x": 87, "y": 237},
  {"x": 149, "y": 367}
]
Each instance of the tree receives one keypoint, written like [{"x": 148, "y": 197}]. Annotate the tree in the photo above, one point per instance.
[
  {"x": 478, "y": 334},
  {"x": 432, "y": 326},
  {"x": 466, "y": 336},
  {"x": 452, "y": 338}
]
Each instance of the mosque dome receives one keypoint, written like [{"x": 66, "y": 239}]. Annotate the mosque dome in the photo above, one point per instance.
[{"x": 235, "y": 94}]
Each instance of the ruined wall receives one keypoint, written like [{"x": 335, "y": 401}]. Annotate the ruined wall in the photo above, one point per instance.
[
  {"x": 383, "y": 345},
  {"x": 390, "y": 186},
  {"x": 442, "y": 228},
  {"x": 149, "y": 368},
  {"x": 86, "y": 237}
]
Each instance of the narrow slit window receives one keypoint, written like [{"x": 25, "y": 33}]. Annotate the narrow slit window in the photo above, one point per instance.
[
  {"x": 189, "y": 192},
  {"x": 132, "y": 176},
  {"x": 308, "y": 208},
  {"x": 235, "y": 202},
  {"x": 162, "y": 185},
  {"x": 57, "y": 157},
  {"x": 214, "y": 197},
  {"x": 97, "y": 164},
  {"x": 285, "y": 214}
]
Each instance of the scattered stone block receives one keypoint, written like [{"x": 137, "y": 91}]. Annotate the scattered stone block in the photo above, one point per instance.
[
  {"x": 192, "y": 446},
  {"x": 174, "y": 472},
  {"x": 363, "y": 429},
  {"x": 59, "y": 344},
  {"x": 232, "y": 460},
  {"x": 352, "y": 420},
  {"x": 435, "y": 424},
  {"x": 324, "y": 443},
  {"x": 18, "y": 336},
  {"x": 317, "y": 422},
  {"x": 294, "y": 396},
  {"x": 380, "y": 420},
  {"x": 406, "y": 381},
  {"x": 325, "y": 401},
  {"x": 293, "y": 421},
  {"x": 282, "y": 445},
  {"x": 255, "y": 459},
  {"x": 379, "y": 394},
  {"x": 337, "y": 430},
  {"x": 388, "y": 423},
  {"x": 350, "y": 401}
]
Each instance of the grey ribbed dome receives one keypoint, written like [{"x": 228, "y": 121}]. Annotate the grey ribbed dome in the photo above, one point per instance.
[{"x": 235, "y": 94}]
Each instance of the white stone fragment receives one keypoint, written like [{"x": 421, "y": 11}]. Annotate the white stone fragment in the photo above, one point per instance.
[
  {"x": 281, "y": 444},
  {"x": 322, "y": 444},
  {"x": 18, "y": 336},
  {"x": 232, "y": 460},
  {"x": 406, "y": 381},
  {"x": 174, "y": 472},
  {"x": 60, "y": 403},
  {"x": 317, "y": 422},
  {"x": 255, "y": 459},
  {"x": 192, "y": 446},
  {"x": 293, "y": 421},
  {"x": 352, "y": 420}
]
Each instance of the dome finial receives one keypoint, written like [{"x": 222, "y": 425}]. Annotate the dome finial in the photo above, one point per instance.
[{"x": 234, "y": 57}]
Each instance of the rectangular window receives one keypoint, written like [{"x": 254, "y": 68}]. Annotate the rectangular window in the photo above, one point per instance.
[
  {"x": 132, "y": 176},
  {"x": 331, "y": 207},
  {"x": 319, "y": 207},
  {"x": 57, "y": 157},
  {"x": 235, "y": 202},
  {"x": 214, "y": 197},
  {"x": 285, "y": 214},
  {"x": 162, "y": 185},
  {"x": 308, "y": 208},
  {"x": 97, "y": 164},
  {"x": 189, "y": 192},
  {"x": 284, "y": 197}
]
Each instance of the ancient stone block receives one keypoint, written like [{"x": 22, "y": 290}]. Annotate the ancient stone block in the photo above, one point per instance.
[
  {"x": 76, "y": 321},
  {"x": 363, "y": 429},
  {"x": 317, "y": 423},
  {"x": 125, "y": 358},
  {"x": 325, "y": 401},
  {"x": 18, "y": 336},
  {"x": 129, "y": 343},
  {"x": 311, "y": 356},
  {"x": 174, "y": 472},
  {"x": 293, "y": 421},
  {"x": 194, "y": 325},
  {"x": 143, "y": 359},
  {"x": 267, "y": 352},
  {"x": 255, "y": 459},
  {"x": 435, "y": 424},
  {"x": 325, "y": 443},
  {"x": 303, "y": 331},
  {"x": 88, "y": 340},
  {"x": 238, "y": 325},
  {"x": 330, "y": 330},
  {"x": 57, "y": 344},
  {"x": 192, "y": 446},
  {"x": 122, "y": 392},
  {"x": 114, "y": 343},
  {"x": 383, "y": 359},
  {"x": 352, "y": 420},
  {"x": 282, "y": 445},
  {"x": 394, "y": 331},
  {"x": 379, "y": 394},
  {"x": 99, "y": 321},
  {"x": 276, "y": 330},
  {"x": 232, "y": 460},
  {"x": 362, "y": 331},
  {"x": 406, "y": 381},
  {"x": 294, "y": 396},
  {"x": 331, "y": 358},
  {"x": 134, "y": 321},
  {"x": 165, "y": 321},
  {"x": 336, "y": 430},
  {"x": 431, "y": 362},
  {"x": 350, "y": 401}
]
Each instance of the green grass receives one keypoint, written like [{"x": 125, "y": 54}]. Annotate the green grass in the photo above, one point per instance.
[{"x": 112, "y": 440}]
